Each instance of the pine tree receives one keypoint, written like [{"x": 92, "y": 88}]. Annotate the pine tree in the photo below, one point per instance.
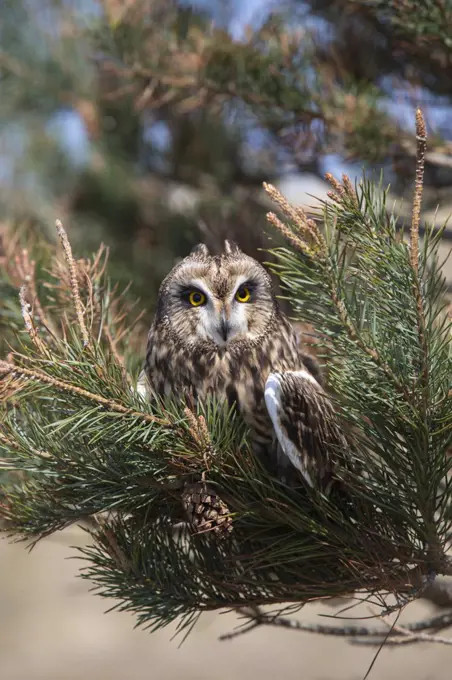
[
  {"x": 85, "y": 447},
  {"x": 137, "y": 72}
]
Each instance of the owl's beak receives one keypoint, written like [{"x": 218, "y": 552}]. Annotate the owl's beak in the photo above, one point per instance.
[{"x": 225, "y": 326}]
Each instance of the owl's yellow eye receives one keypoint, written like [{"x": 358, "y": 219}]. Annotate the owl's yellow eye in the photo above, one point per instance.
[
  {"x": 243, "y": 294},
  {"x": 196, "y": 299}
]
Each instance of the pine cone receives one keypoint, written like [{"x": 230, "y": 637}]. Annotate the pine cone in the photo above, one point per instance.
[{"x": 205, "y": 510}]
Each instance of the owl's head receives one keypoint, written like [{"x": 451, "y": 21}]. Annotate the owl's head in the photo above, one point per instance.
[{"x": 221, "y": 299}]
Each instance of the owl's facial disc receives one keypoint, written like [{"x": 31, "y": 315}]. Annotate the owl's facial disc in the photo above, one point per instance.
[{"x": 222, "y": 316}]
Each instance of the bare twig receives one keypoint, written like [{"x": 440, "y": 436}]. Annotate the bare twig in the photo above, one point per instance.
[
  {"x": 416, "y": 631},
  {"x": 407, "y": 636},
  {"x": 28, "y": 321},
  {"x": 27, "y": 269}
]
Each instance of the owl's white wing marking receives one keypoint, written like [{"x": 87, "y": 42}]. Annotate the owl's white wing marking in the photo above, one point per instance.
[
  {"x": 305, "y": 424},
  {"x": 142, "y": 386},
  {"x": 275, "y": 407}
]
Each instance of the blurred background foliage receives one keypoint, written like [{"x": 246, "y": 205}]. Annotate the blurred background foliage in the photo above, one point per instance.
[{"x": 151, "y": 124}]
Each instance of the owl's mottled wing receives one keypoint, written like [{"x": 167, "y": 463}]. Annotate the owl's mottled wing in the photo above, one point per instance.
[{"x": 305, "y": 425}]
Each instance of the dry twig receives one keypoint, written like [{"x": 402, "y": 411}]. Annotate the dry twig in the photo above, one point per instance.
[
  {"x": 74, "y": 283},
  {"x": 305, "y": 226},
  {"x": 421, "y": 139},
  {"x": 411, "y": 632},
  {"x": 28, "y": 321},
  {"x": 38, "y": 376}
]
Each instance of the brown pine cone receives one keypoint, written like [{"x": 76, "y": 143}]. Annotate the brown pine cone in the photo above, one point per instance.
[{"x": 205, "y": 510}]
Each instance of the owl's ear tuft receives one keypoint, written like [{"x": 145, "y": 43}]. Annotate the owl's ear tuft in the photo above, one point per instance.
[
  {"x": 231, "y": 248},
  {"x": 200, "y": 252}
]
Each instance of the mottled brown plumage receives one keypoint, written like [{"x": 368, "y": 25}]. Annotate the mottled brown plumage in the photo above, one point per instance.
[
  {"x": 225, "y": 348},
  {"x": 306, "y": 426}
]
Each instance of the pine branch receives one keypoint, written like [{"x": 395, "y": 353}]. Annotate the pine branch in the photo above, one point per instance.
[
  {"x": 409, "y": 633},
  {"x": 88, "y": 448},
  {"x": 39, "y": 377}
]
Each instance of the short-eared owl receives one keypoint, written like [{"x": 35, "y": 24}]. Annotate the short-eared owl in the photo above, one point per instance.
[{"x": 218, "y": 331}]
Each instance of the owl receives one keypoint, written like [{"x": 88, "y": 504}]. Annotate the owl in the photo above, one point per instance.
[{"x": 219, "y": 332}]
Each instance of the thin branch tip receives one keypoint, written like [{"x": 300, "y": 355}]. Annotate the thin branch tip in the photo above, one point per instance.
[
  {"x": 421, "y": 145},
  {"x": 303, "y": 233},
  {"x": 421, "y": 131},
  {"x": 73, "y": 279},
  {"x": 28, "y": 320}
]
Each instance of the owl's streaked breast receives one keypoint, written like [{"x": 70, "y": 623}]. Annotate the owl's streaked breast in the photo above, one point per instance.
[{"x": 236, "y": 375}]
